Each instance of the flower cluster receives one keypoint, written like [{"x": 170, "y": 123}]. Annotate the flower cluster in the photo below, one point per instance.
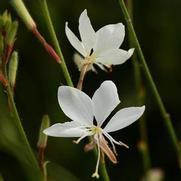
[{"x": 88, "y": 115}]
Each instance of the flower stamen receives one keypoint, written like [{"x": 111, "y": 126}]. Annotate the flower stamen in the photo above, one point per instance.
[
  {"x": 81, "y": 138},
  {"x": 111, "y": 139},
  {"x": 113, "y": 146},
  {"x": 96, "y": 174}
]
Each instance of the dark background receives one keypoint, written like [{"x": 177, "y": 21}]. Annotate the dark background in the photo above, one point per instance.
[{"x": 158, "y": 26}]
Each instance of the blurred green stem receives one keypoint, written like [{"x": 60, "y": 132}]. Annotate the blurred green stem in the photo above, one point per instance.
[
  {"x": 54, "y": 40},
  {"x": 1, "y": 178},
  {"x": 149, "y": 78},
  {"x": 32, "y": 168},
  {"x": 103, "y": 170},
  {"x": 143, "y": 145}
]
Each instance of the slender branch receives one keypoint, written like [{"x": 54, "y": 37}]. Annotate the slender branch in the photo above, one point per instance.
[
  {"x": 143, "y": 145},
  {"x": 42, "y": 163},
  {"x": 47, "y": 47},
  {"x": 41, "y": 152},
  {"x": 48, "y": 21},
  {"x": 165, "y": 115},
  {"x": 41, "y": 144}
]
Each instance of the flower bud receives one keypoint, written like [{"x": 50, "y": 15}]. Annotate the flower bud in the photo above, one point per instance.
[
  {"x": 21, "y": 10},
  {"x": 7, "y": 23},
  {"x": 11, "y": 33},
  {"x": 13, "y": 67},
  {"x": 3, "y": 18},
  {"x": 42, "y": 141}
]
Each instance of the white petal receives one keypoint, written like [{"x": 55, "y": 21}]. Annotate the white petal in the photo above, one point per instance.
[
  {"x": 87, "y": 33},
  {"x": 67, "y": 129},
  {"x": 76, "y": 104},
  {"x": 109, "y": 37},
  {"x": 114, "y": 57},
  {"x": 124, "y": 118},
  {"x": 105, "y": 99},
  {"x": 75, "y": 42}
]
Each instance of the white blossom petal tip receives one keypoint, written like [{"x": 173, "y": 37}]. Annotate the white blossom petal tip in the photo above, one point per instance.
[
  {"x": 87, "y": 33},
  {"x": 74, "y": 41},
  {"x": 84, "y": 13},
  {"x": 124, "y": 118},
  {"x": 131, "y": 51}
]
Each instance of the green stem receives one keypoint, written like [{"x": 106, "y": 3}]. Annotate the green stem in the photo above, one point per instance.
[
  {"x": 103, "y": 170},
  {"x": 143, "y": 145},
  {"x": 149, "y": 78},
  {"x": 54, "y": 40},
  {"x": 140, "y": 100},
  {"x": 32, "y": 167},
  {"x": 1, "y": 178}
]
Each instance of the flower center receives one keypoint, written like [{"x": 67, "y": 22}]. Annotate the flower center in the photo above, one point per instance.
[
  {"x": 96, "y": 130},
  {"x": 89, "y": 59}
]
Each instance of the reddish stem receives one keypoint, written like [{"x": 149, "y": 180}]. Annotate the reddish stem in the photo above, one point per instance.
[
  {"x": 3, "y": 80},
  {"x": 82, "y": 75},
  {"x": 48, "y": 47},
  {"x": 8, "y": 53},
  {"x": 41, "y": 151}
]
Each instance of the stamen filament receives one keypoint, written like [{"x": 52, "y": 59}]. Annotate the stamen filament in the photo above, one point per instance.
[
  {"x": 96, "y": 174},
  {"x": 81, "y": 138},
  {"x": 113, "y": 146},
  {"x": 114, "y": 141}
]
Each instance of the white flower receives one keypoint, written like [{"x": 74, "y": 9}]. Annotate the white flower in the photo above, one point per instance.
[
  {"x": 100, "y": 47},
  {"x": 80, "y": 108}
]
